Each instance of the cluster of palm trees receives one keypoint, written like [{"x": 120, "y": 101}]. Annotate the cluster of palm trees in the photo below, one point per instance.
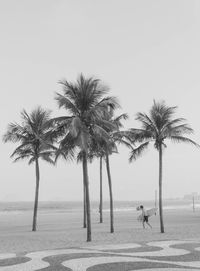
[{"x": 90, "y": 130}]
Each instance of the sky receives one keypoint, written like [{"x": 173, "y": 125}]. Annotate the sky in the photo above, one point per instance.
[{"x": 142, "y": 49}]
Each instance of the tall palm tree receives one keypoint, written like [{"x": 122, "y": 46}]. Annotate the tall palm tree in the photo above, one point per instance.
[
  {"x": 85, "y": 102},
  {"x": 104, "y": 149},
  {"x": 111, "y": 147},
  {"x": 36, "y": 138},
  {"x": 80, "y": 159},
  {"x": 158, "y": 126},
  {"x": 101, "y": 190},
  {"x": 95, "y": 151}
]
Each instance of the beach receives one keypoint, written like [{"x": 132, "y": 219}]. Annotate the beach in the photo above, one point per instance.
[{"x": 63, "y": 229}]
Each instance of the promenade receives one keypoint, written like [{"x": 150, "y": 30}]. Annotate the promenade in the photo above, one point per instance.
[{"x": 159, "y": 255}]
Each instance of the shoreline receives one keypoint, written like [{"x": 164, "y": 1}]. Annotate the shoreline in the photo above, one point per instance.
[{"x": 77, "y": 206}]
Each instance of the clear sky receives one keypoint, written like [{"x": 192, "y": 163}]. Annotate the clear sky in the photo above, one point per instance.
[{"x": 143, "y": 49}]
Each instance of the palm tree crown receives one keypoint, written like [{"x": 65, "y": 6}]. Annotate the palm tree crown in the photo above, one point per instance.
[
  {"x": 34, "y": 135},
  {"x": 158, "y": 126},
  {"x": 86, "y": 104}
]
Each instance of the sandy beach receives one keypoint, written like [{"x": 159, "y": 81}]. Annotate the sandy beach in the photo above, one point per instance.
[{"x": 64, "y": 229}]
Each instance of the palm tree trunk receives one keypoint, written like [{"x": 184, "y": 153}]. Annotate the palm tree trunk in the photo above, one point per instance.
[
  {"x": 86, "y": 182},
  {"x": 160, "y": 191},
  {"x": 101, "y": 194},
  {"x": 36, "y": 195},
  {"x": 84, "y": 203},
  {"x": 110, "y": 192}
]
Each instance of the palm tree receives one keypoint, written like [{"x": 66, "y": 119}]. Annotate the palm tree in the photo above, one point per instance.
[
  {"x": 109, "y": 148},
  {"x": 36, "y": 138},
  {"x": 158, "y": 126},
  {"x": 101, "y": 190},
  {"x": 103, "y": 149},
  {"x": 80, "y": 159},
  {"x": 95, "y": 151},
  {"x": 85, "y": 102}
]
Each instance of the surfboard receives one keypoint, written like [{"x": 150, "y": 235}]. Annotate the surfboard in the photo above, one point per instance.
[{"x": 150, "y": 212}]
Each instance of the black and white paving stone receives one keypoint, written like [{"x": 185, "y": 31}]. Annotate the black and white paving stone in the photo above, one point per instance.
[{"x": 171, "y": 255}]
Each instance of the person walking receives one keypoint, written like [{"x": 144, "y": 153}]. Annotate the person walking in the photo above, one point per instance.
[{"x": 145, "y": 217}]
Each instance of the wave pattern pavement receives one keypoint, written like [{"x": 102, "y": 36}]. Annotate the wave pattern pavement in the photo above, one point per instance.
[{"x": 174, "y": 255}]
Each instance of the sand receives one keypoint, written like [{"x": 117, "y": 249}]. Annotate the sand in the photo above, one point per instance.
[{"x": 64, "y": 230}]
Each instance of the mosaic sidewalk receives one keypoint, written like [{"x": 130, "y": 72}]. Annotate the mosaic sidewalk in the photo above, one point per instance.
[{"x": 173, "y": 255}]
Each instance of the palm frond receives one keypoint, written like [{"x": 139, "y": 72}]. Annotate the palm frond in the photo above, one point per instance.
[
  {"x": 24, "y": 147},
  {"x": 107, "y": 125},
  {"x": 124, "y": 138},
  {"x": 23, "y": 151},
  {"x": 62, "y": 119},
  {"x": 69, "y": 89},
  {"x": 22, "y": 157},
  {"x": 47, "y": 156},
  {"x": 66, "y": 103},
  {"x": 182, "y": 139},
  {"x": 39, "y": 119},
  {"x": 99, "y": 110},
  {"x": 31, "y": 160},
  {"x": 109, "y": 101},
  {"x": 67, "y": 148},
  {"x": 137, "y": 152},
  {"x": 171, "y": 123},
  {"x": 79, "y": 157},
  {"x": 68, "y": 141},
  {"x": 60, "y": 126},
  {"x": 101, "y": 133},
  {"x": 118, "y": 120},
  {"x": 178, "y": 130},
  {"x": 139, "y": 135},
  {"x": 123, "y": 142},
  {"x": 161, "y": 110},
  {"x": 15, "y": 133},
  {"x": 147, "y": 122},
  {"x": 65, "y": 153}
]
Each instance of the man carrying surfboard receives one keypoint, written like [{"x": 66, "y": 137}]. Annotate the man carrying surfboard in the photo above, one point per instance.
[{"x": 145, "y": 217}]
